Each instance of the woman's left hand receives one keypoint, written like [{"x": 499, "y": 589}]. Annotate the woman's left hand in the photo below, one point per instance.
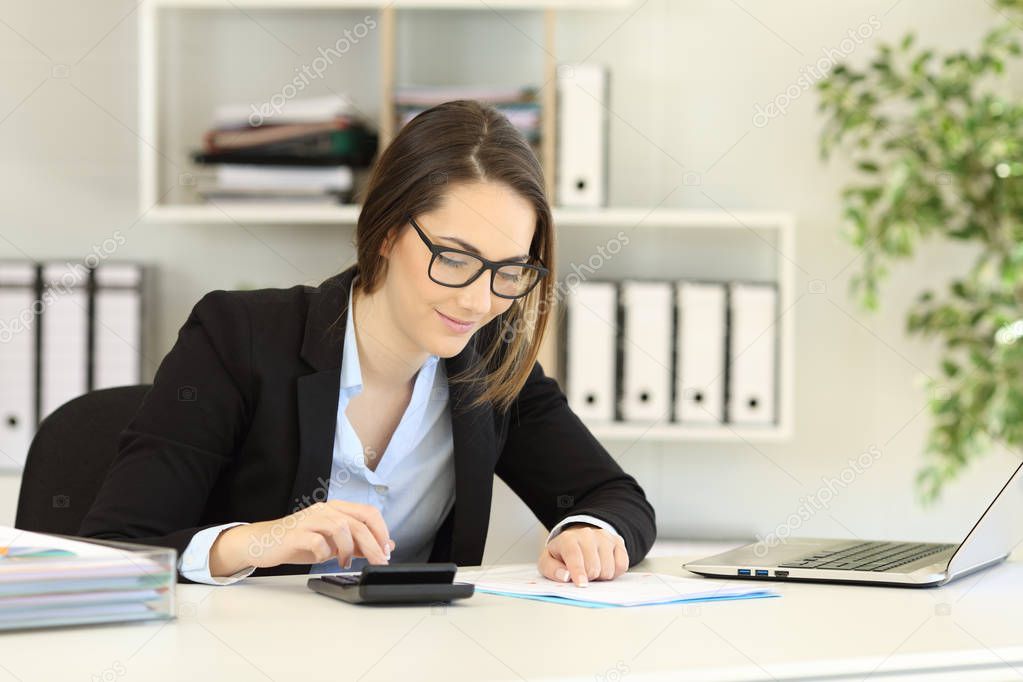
[{"x": 582, "y": 553}]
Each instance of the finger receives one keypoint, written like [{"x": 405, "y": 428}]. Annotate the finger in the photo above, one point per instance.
[
  {"x": 316, "y": 545},
  {"x": 621, "y": 558},
  {"x": 588, "y": 542},
  {"x": 366, "y": 542},
  {"x": 572, "y": 555},
  {"x": 344, "y": 544},
  {"x": 370, "y": 516},
  {"x": 552, "y": 567},
  {"x": 329, "y": 530},
  {"x": 606, "y": 550},
  {"x": 327, "y": 517}
]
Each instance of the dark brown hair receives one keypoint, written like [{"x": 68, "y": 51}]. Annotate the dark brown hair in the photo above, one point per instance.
[{"x": 463, "y": 141}]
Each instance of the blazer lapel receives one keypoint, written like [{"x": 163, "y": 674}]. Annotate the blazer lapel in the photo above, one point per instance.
[
  {"x": 462, "y": 535},
  {"x": 322, "y": 344},
  {"x": 475, "y": 457}
]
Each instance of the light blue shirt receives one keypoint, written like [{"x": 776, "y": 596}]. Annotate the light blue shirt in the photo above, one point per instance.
[{"x": 413, "y": 484}]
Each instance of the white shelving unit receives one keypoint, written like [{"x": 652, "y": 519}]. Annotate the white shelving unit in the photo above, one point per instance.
[{"x": 737, "y": 244}]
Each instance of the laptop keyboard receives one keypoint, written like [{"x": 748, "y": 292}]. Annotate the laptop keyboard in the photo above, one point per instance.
[{"x": 869, "y": 556}]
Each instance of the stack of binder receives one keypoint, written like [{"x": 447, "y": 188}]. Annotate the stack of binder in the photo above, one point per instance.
[
  {"x": 308, "y": 152},
  {"x": 54, "y": 580},
  {"x": 675, "y": 351},
  {"x": 65, "y": 330}
]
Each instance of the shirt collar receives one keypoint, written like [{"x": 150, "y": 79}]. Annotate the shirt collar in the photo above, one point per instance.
[{"x": 351, "y": 370}]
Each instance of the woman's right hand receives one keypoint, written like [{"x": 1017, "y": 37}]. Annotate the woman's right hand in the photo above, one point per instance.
[{"x": 310, "y": 535}]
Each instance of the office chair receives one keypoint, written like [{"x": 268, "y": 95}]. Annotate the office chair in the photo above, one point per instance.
[{"x": 69, "y": 457}]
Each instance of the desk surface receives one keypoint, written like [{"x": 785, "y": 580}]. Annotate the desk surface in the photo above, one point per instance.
[{"x": 274, "y": 628}]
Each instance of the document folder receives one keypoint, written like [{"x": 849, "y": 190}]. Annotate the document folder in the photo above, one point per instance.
[
  {"x": 117, "y": 359},
  {"x": 646, "y": 351},
  {"x": 700, "y": 348},
  {"x": 17, "y": 362},
  {"x": 64, "y": 330},
  {"x": 582, "y": 135},
  {"x": 590, "y": 353},
  {"x": 753, "y": 354}
]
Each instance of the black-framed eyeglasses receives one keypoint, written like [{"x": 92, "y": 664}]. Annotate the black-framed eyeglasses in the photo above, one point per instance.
[{"x": 457, "y": 268}]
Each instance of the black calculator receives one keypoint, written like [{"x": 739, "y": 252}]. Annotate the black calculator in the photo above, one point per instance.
[{"x": 412, "y": 583}]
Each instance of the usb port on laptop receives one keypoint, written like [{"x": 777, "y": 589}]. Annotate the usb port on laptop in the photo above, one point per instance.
[
  {"x": 743, "y": 571},
  {"x": 761, "y": 571}
]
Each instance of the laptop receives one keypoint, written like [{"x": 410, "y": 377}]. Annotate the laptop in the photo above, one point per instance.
[{"x": 906, "y": 564}]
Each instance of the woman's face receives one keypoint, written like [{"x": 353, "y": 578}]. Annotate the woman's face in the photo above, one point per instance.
[{"x": 487, "y": 218}]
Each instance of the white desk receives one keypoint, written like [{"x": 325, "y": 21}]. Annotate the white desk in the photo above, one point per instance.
[{"x": 274, "y": 628}]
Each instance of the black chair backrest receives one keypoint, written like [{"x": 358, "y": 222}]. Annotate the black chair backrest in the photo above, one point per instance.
[{"x": 69, "y": 457}]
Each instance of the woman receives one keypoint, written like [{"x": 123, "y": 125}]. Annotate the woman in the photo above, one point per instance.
[{"x": 307, "y": 430}]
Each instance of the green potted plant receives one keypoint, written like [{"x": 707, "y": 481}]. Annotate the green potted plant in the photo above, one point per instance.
[{"x": 939, "y": 150}]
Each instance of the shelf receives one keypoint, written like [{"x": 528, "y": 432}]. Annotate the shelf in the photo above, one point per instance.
[
  {"x": 672, "y": 432},
  {"x": 266, "y": 214}
]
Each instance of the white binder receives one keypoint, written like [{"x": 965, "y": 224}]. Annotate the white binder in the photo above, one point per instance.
[
  {"x": 752, "y": 354},
  {"x": 17, "y": 362},
  {"x": 65, "y": 326},
  {"x": 582, "y": 135},
  {"x": 646, "y": 351},
  {"x": 700, "y": 345},
  {"x": 591, "y": 333},
  {"x": 117, "y": 358}
]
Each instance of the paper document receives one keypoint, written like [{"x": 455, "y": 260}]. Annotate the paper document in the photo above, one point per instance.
[
  {"x": 15, "y": 537},
  {"x": 634, "y": 588},
  {"x": 25, "y": 555}
]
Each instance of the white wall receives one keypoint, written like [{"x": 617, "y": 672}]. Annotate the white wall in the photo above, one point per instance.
[{"x": 687, "y": 75}]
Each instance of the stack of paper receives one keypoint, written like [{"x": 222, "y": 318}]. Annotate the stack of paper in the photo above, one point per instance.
[
  {"x": 55, "y": 580},
  {"x": 634, "y": 588},
  {"x": 305, "y": 151}
]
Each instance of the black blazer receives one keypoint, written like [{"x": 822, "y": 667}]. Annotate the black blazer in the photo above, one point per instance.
[{"x": 239, "y": 426}]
